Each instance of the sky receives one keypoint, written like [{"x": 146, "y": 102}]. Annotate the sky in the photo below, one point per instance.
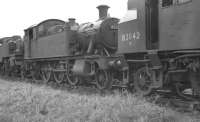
[{"x": 17, "y": 15}]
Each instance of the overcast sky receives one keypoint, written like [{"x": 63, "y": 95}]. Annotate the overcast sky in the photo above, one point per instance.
[{"x": 17, "y": 15}]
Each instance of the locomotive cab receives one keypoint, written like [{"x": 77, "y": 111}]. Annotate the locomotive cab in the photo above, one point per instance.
[
  {"x": 139, "y": 29},
  {"x": 132, "y": 34},
  {"x": 51, "y": 33},
  {"x": 160, "y": 25}
]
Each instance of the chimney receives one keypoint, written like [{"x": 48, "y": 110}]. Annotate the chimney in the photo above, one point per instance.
[
  {"x": 72, "y": 20},
  {"x": 103, "y": 11}
]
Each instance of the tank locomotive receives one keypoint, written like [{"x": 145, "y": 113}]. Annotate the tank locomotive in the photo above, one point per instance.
[
  {"x": 11, "y": 55},
  {"x": 159, "y": 39},
  {"x": 72, "y": 52}
]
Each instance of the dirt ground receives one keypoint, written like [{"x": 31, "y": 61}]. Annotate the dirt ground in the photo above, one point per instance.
[{"x": 26, "y": 102}]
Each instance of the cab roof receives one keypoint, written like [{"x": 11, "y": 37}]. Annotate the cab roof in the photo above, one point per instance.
[{"x": 48, "y": 20}]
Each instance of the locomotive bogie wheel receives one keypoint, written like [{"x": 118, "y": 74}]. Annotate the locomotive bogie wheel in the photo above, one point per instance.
[
  {"x": 102, "y": 79},
  {"x": 143, "y": 81},
  {"x": 46, "y": 73}
]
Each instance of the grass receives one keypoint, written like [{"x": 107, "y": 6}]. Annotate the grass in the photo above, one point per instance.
[{"x": 25, "y": 102}]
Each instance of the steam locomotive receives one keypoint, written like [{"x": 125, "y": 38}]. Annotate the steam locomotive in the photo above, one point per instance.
[
  {"x": 11, "y": 55},
  {"x": 155, "y": 46}
]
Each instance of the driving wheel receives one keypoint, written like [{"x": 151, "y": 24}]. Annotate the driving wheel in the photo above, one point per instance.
[
  {"x": 71, "y": 78},
  {"x": 46, "y": 73},
  {"x": 143, "y": 80},
  {"x": 59, "y": 73}
]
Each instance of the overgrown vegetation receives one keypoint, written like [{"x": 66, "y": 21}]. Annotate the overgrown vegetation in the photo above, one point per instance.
[{"x": 25, "y": 102}]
